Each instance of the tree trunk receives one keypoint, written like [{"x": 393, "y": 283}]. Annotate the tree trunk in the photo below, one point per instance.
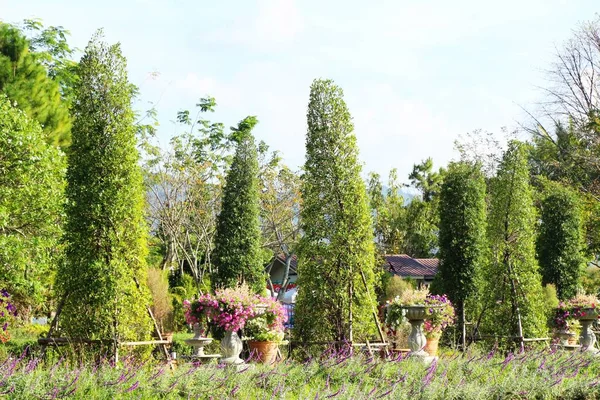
[
  {"x": 463, "y": 326},
  {"x": 515, "y": 308},
  {"x": 286, "y": 277},
  {"x": 350, "y": 294}
]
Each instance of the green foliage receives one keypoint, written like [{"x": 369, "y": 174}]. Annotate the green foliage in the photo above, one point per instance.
[
  {"x": 422, "y": 219},
  {"x": 560, "y": 240},
  {"x": 105, "y": 231},
  {"x": 395, "y": 286},
  {"x": 513, "y": 283},
  {"x": 30, "y": 76},
  {"x": 421, "y": 229},
  {"x": 31, "y": 200},
  {"x": 337, "y": 246},
  {"x": 590, "y": 280},
  {"x": 389, "y": 214},
  {"x": 427, "y": 181},
  {"x": 462, "y": 209},
  {"x": 237, "y": 254},
  {"x": 182, "y": 286}
]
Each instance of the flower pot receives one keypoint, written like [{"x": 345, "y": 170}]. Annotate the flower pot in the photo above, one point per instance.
[
  {"x": 432, "y": 346},
  {"x": 168, "y": 336},
  {"x": 265, "y": 352},
  {"x": 231, "y": 347}
]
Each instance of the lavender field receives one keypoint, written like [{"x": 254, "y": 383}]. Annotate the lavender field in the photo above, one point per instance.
[{"x": 542, "y": 374}]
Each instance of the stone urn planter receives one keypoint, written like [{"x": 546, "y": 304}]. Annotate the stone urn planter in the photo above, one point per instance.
[
  {"x": 231, "y": 347},
  {"x": 198, "y": 342},
  {"x": 587, "y": 339},
  {"x": 265, "y": 352},
  {"x": 416, "y": 340}
]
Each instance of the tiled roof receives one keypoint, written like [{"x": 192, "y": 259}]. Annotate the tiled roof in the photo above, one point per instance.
[{"x": 406, "y": 266}]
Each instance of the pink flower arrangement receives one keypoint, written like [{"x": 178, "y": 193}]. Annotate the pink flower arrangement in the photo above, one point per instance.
[
  {"x": 273, "y": 312},
  {"x": 440, "y": 315},
  {"x": 572, "y": 310},
  {"x": 231, "y": 308},
  {"x": 197, "y": 310}
]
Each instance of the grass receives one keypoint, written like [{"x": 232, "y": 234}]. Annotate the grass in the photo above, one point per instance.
[{"x": 534, "y": 375}]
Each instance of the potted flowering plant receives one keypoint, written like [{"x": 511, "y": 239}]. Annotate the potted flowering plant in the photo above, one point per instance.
[
  {"x": 582, "y": 308},
  {"x": 396, "y": 309},
  {"x": 564, "y": 324},
  {"x": 266, "y": 330},
  {"x": 229, "y": 309},
  {"x": 7, "y": 313},
  {"x": 440, "y": 315},
  {"x": 196, "y": 312},
  {"x": 410, "y": 305}
]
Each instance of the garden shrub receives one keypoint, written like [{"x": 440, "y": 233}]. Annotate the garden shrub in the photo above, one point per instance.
[{"x": 162, "y": 307}]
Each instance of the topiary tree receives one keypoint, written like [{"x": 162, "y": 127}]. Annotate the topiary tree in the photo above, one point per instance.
[
  {"x": 513, "y": 290},
  {"x": 105, "y": 233},
  {"x": 31, "y": 200},
  {"x": 560, "y": 241},
  {"x": 336, "y": 271},
  {"x": 237, "y": 255},
  {"x": 462, "y": 209}
]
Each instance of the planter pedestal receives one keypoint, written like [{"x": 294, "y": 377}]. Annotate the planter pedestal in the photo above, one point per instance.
[
  {"x": 231, "y": 347},
  {"x": 198, "y": 342},
  {"x": 587, "y": 339},
  {"x": 417, "y": 340}
]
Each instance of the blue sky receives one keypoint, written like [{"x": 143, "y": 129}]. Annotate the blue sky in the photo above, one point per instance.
[{"x": 416, "y": 74}]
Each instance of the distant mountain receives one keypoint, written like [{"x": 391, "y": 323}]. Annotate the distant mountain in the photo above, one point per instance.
[{"x": 408, "y": 194}]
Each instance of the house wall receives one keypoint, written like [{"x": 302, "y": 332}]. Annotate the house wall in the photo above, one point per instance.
[{"x": 278, "y": 272}]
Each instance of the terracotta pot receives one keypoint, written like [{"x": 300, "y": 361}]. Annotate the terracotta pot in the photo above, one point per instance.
[
  {"x": 432, "y": 346},
  {"x": 266, "y": 352}
]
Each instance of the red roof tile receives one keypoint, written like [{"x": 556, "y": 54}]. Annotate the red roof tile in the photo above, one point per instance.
[{"x": 406, "y": 266}]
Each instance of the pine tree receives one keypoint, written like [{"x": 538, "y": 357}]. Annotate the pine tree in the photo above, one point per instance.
[
  {"x": 25, "y": 79},
  {"x": 515, "y": 299},
  {"x": 336, "y": 271},
  {"x": 560, "y": 242},
  {"x": 105, "y": 231},
  {"x": 237, "y": 254},
  {"x": 462, "y": 209}
]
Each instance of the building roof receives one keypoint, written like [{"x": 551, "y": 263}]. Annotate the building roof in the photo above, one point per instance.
[
  {"x": 408, "y": 267},
  {"x": 293, "y": 263}
]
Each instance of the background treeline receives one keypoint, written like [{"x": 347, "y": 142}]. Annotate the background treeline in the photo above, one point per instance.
[{"x": 213, "y": 207}]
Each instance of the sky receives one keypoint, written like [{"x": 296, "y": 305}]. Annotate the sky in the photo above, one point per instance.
[{"x": 415, "y": 74}]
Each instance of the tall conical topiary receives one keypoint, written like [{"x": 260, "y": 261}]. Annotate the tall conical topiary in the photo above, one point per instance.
[
  {"x": 462, "y": 241},
  {"x": 105, "y": 232},
  {"x": 514, "y": 299},
  {"x": 337, "y": 248},
  {"x": 237, "y": 254},
  {"x": 560, "y": 242}
]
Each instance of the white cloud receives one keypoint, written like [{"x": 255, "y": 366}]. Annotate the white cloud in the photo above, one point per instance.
[
  {"x": 194, "y": 86},
  {"x": 275, "y": 23}
]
